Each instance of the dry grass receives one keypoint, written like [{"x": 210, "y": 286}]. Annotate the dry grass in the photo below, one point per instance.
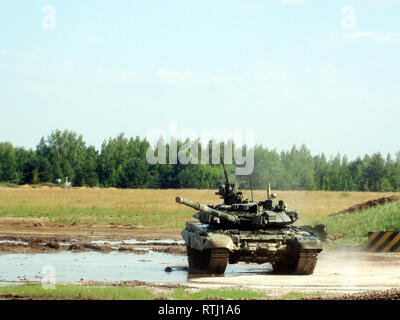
[{"x": 149, "y": 207}]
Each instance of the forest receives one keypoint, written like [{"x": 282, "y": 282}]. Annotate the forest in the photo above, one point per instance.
[{"x": 121, "y": 163}]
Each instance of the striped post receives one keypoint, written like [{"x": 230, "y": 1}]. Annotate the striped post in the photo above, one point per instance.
[{"x": 384, "y": 241}]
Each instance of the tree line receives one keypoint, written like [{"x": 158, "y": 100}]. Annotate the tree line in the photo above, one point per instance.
[{"x": 121, "y": 162}]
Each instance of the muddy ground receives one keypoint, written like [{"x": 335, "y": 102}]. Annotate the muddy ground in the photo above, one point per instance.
[
  {"x": 38, "y": 236},
  {"x": 338, "y": 272},
  {"x": 350, "y": 273},
  {"x": 42, "y": 226},
  {"x": 56, "y": 243}
]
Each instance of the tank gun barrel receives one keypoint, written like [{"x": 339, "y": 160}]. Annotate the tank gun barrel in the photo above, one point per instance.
[{"x": 203, "y": 208}]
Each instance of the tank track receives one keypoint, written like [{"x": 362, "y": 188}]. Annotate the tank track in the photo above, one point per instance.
[
  {"x": 302, "y": 264},
  {"x": 210, "y": 261},
  {"x": 307, "y": 261}
]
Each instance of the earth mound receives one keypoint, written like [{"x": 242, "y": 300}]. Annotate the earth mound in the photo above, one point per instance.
[{"x": 367, "y": 204}]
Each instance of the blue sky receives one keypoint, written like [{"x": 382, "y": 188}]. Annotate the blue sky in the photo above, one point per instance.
[{"x": 288, "y": 69}]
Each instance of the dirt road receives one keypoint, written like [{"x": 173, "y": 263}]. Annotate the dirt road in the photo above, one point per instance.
[{"x": 337, "y": 272}]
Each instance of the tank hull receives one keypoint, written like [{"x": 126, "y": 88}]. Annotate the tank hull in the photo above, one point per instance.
[{"x": 288, "y": 249}]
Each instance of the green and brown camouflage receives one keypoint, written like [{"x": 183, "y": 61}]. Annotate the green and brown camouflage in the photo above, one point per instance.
[{"x": 248, "y": 231}]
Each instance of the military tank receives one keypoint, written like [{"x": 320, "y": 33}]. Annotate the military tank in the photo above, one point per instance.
[{"x": 248, "y": 231}]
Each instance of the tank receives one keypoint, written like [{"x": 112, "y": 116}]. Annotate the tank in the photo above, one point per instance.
[{"x": 248, "y": 231}]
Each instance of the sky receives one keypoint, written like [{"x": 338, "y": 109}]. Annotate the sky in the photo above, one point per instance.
[{"x": 322, "y": 73}]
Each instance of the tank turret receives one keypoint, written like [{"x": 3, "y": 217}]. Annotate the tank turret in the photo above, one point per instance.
[
  {"x": 248, "y": 231},
  {"x": 244, "y": 215}
]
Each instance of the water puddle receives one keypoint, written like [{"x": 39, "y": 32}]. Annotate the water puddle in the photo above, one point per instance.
[
  {"x": 14, "y": 242},
  {"x": 134, "y": 241},
  {"x": 106, "y": 267}
]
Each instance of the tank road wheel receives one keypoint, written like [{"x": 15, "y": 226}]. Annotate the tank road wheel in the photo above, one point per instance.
[
  {"x": 302, "y": 264},
  {"x": 190, "y": 255},
  {"x": 195, "y": 259},
  {"x": 285, "y": 265},
  {"x": 306, "y": 262},
  {"x": 210, "y": 261},
  {"x": 218, "y": 259}
]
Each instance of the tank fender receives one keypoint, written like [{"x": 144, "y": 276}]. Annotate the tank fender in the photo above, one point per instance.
[
  {"x": 193, "y": 240},
  {"x": 219, "y": 241},
  {"x": 305, "y": 243}
]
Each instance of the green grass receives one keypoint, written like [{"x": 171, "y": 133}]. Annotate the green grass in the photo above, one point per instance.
[
  {"x": 8, "y": 185},
  {"x": 71, "y": 292},
  {"x": 354, "y": 227},
  {"x": 98, "y": 216},
  {"x": 301, "y": 295},
  {"x": 76, "y": 292},
  {"x": 182, "y": 294}
]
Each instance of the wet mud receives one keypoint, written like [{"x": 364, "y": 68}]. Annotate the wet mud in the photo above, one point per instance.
[{"x": 58, "y": 243}]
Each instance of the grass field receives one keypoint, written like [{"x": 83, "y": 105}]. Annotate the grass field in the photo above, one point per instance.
[
  {"x": 354, "y": 227},
  {"x": 74, "y": 292},
  {"x": 77, "y": 292},
  {"x": 151, "y": 208}
]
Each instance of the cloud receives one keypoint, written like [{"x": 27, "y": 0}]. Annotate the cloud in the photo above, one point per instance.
[
  {"x": 19, "y": 56},
  {"x": 297, "y": 2},
  {"x": 173, "y": 77},
  {"x": 259, "y": 74},
  {"x": 248, "y": 5},
  {"x": 42, "y": 76},
  {"x": 384, "y": 1},
  {"x": 41, "y": 88},
  {"x": 30, "y": 63},
  {"x": 264, "y": 73},
  {"x": 91, "y": 40},
  {"x": 218, "y": 79},
  {"x": 272, "y": 77},
  {"x": 20, "y": 62},
  {"x": 326, "y": 75},
  {"x": 377, "y": 38}
]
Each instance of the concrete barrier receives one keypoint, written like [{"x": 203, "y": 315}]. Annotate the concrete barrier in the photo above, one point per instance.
[{"x": 384, "y": 241}]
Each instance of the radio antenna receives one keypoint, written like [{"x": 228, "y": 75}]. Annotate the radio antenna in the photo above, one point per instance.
[
  {"x": 226, "y": 175},
  {"x": 251, "y": 188}
]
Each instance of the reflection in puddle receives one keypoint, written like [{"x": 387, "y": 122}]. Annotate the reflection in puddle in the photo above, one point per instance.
[{"x": 108, "y": 267}]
